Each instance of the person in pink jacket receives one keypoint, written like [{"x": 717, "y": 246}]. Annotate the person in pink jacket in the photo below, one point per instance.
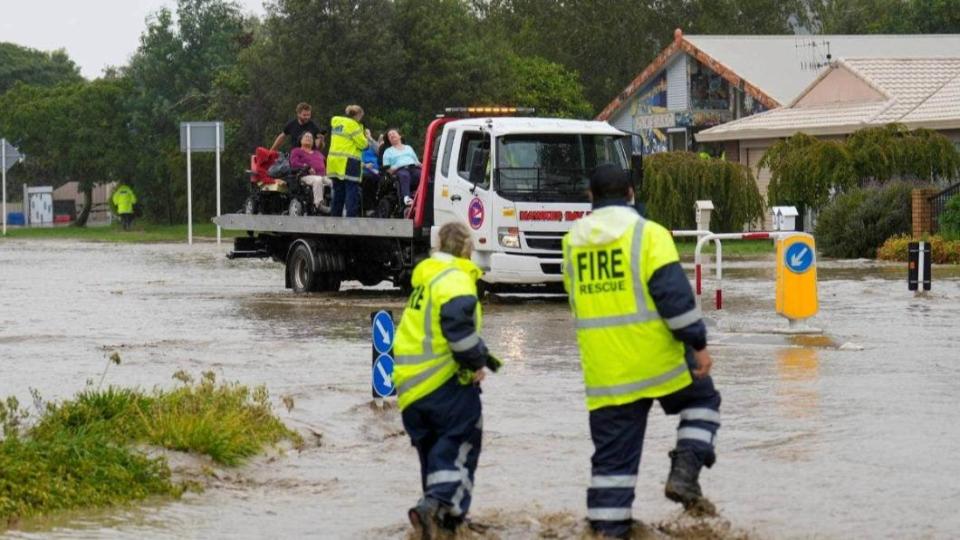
[{"x": 306, "y": 155}]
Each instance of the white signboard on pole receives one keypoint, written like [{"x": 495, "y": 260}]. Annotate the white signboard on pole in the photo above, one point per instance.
[
  {"x": 9, "y": 156},
  {"x": 200, "y": 137}
]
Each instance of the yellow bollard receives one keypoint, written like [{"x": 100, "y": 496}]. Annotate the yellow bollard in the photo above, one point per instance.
[{"x": 797, "y": 277}]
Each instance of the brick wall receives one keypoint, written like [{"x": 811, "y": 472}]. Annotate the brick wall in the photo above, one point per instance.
[{"x": 920, "y": 207}]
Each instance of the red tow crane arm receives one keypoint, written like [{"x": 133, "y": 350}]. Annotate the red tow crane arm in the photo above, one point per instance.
[{"x": 420, "y": 198}]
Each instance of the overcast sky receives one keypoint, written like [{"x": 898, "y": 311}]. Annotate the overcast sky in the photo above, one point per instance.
[{"x": 95, "y": 33}]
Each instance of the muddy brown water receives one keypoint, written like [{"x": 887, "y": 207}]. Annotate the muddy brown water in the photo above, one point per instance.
[{"x": 851, "y": 434}]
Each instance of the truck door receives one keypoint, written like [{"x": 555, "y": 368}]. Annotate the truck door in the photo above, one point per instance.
[{"x": 457, "y": 198}]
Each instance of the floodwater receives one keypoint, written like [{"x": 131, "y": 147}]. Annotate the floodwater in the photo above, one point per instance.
[{"x": 853, "y": 434}]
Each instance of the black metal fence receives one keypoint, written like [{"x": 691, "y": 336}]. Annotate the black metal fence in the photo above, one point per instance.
[{"x": 938, "y": 202}]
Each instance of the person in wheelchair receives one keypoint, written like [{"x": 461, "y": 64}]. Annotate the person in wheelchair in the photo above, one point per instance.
[
  {"x": 370, "y": 180},
  {"x": 400, "y": 160},
  {"x": 309, "y": 156}
]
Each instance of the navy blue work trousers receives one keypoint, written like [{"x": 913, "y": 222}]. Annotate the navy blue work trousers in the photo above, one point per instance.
[
  {"x": 446, "y": 429},
  {"x": 617, "y": 434},
  {"x": 345, "y": 191}
]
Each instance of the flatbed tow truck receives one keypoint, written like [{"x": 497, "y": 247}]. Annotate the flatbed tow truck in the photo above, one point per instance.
[{"x": 517, "y": 182}]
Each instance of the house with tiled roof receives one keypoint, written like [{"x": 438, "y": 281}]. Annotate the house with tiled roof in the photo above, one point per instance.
[
  {"x": 853, "y": 93},
  {"x": 699, "y": 82}
]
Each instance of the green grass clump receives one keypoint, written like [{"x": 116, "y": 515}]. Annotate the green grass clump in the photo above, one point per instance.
[
  {"x": 85, "y": 452},
  {"x": 142, "y": 232},
  {"x": 731, "y": 248}
]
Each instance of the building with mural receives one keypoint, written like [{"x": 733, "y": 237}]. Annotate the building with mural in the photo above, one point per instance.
[{"x": 698, "y": 82}]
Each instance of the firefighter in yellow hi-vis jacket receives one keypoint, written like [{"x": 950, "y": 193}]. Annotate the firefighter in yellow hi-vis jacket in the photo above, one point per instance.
[
  {"x": 439, "y": 363},
  {"x": 641, "y": 337}
]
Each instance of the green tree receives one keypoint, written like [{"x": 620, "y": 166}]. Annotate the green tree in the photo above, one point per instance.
[
  {"x": 804, "y": 171},
  {"x": 674, "y": 181},
  {"x": 30, "y": 66},
  {"x": 174, "y": 77},
  {"x": 547, "y": 86},
  {"x": 608, "y": 42},
  {"x": 71, "y": 132},
  {"x": 886, "y": 16}
]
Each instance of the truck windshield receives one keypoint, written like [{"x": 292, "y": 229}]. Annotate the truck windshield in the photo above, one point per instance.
[{"x": 553, "y": 167}]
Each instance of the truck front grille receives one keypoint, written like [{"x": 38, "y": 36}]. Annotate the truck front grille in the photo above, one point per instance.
[
  {"x": 547, "y": 241},
  {"x": 551, "y": 268}
]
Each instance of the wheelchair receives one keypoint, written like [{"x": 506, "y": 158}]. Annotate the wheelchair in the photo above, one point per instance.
[
  {"x": 389, "y": 204},
  {"x": 281, "y": 195}
]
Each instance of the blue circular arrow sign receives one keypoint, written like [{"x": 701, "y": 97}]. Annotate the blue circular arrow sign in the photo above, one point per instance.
[
  {"x": 383, "y": 332},
  {"x": 798, "y": 257},
  {"x": 383, "y": 375}
]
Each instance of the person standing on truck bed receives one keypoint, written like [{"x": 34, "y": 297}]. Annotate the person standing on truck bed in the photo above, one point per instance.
[
  {"x": 294, "y": 129},
  {"x": 440, "y": 361},
  {"x": 641, "y": 337},
  {"x": 347, "y": 142},
  {"x": 401, "y": 160}
]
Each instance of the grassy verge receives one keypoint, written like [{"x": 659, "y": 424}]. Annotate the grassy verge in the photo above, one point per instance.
[
  {"x": 731, "y": 248},
  {"x": 141, "y": 233},
  {"x": 84, "y": 452}
]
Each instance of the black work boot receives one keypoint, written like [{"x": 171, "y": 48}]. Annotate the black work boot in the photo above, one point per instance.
[
  {"x": 423, "y": 518},
  {"x": 683, "y": 484}
]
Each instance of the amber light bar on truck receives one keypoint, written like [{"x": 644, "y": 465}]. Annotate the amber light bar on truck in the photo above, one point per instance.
[{"x": 467, "y": 112}]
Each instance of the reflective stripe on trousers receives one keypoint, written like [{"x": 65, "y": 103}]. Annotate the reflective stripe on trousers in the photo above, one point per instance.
[
  {"x": 609, "y": 514},
  {"x": 614, "y": 481}
]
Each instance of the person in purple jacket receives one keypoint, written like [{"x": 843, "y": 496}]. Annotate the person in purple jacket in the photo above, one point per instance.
[{"x": 306, "y": 155}]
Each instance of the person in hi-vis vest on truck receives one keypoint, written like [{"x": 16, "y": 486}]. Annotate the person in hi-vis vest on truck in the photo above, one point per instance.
[
  {"x": 641, "y": 338},
  {"x": 344, "y": 165}
]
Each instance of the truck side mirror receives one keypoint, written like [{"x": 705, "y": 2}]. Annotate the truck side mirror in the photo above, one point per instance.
[{"x": 478, "y": 166}]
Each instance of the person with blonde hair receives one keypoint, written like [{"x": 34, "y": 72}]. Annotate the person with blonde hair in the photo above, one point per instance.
[
  {"x": 348, "y": 139},
  {"x": 439, "y": 363}
]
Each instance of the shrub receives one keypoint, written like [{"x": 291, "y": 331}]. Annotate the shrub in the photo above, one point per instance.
[
  {"x": 855, "y": 223},
  {"x": 84, "y": 452},
  {"x": 674, "y": 181},
  {"x": 943, "y": 251},
  {"x": 950, "y": 218}
]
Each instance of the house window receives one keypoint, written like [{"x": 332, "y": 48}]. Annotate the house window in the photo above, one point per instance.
[
  {"x": 708, "y": 90},
  {"x": 678, "y": 140}
]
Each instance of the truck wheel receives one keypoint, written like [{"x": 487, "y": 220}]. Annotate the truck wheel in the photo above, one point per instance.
[
  {"x": 250, "y": 205},
  {"x": 301, "y": 269}
]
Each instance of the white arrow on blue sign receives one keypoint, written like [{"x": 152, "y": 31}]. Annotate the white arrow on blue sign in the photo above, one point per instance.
[
  {"x": 383, "y": 375},
  {"x": 799, "y": 257},
  {"x": 382, "y": 332}
]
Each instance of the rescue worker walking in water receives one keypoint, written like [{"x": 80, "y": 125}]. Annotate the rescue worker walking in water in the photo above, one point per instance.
[
  {"x": 439, "y": 364},
  {"x": 641, "y": 337}
]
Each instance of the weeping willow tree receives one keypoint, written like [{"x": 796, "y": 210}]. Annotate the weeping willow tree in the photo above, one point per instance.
[
  {"x": 674, "y": 181},
  {"x": 806, "y": 170},
  {"x": 891, "y": 152}
]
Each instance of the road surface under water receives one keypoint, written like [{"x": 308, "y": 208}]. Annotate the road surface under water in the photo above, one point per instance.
[{"x": 849, "y": 435}]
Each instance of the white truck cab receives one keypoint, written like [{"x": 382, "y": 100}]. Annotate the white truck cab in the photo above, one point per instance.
[{"x": 519, "y": 183}]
